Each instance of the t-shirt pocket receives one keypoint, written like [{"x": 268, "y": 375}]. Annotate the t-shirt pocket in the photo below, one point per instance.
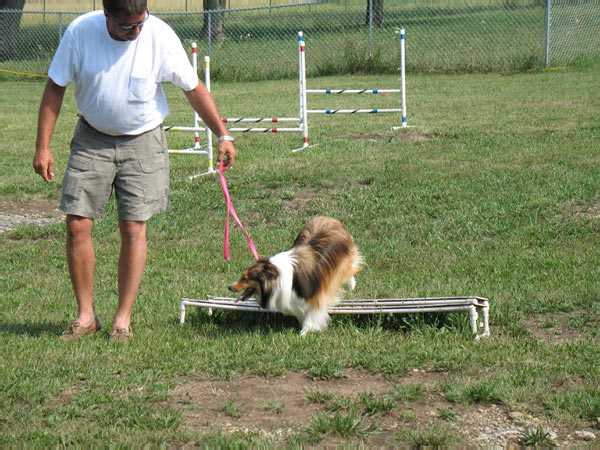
[{"x": 141, "y": 89}]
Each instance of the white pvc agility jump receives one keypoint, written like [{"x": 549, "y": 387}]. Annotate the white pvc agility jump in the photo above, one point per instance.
[
  {"x": 198, "y": 149},
  {"x": 472, "y": 305},
  {"x": 235, "y": 120},
  {"x": 401, "y": 90},
  {"x": 303, "y": 110}
]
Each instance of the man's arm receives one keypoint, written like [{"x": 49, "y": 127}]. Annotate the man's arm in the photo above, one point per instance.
[
  {"x": 43, "y": 161},
  {"x": 204, "y": 104}
]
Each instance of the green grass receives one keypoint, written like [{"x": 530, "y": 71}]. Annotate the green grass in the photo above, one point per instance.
[
  {"x": 350, "y": 424},
  {"x": 536, "y": 437},
  {"x": 434, "y": 435},
  {"x": 232, "y": 409},
  {"x": 480, "y": 197}
]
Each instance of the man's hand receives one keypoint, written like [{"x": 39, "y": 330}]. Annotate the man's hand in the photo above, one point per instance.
[
  {"x": 43, "y": 164},
  {"x": 205, "y": 106},
  {"x": 227, "y": 154},
  {"x": 43, "y": 161}
]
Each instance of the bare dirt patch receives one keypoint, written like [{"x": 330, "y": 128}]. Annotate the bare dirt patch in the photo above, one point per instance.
[
  {"x": 279, "y": 408},
  {"x": 301, "y": 199},
  {"x": 590, "y": 211},
  {"x": 30, "y": 206},
  {"x": 32, "y": 210},
  {"x": 555, "y": 328}
]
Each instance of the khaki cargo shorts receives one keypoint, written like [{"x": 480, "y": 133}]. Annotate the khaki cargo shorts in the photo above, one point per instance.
[{"x": 135, "y": 167}]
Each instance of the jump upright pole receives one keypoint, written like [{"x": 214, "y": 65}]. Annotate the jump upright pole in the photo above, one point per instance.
[
  {"x": 196, "y": 149},
  {"x": 403, "y": 75},
  {"x": 303, "y": 112},
  {"x": 197, "y": 117}
]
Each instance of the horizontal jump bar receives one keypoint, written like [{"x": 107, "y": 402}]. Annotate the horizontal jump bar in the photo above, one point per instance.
[
  {"x": 351, "y": 91},
  {"x": 260, "y": 119},
  {"x": 353, "y": 111},
  {"x": 240, "y": 130},
  {"x": 189, "y": 151},
  {"x": 174, "y": 128},
  {"x": 263, "y": 130}
]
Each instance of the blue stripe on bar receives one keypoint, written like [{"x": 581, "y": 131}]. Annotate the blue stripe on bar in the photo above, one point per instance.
[
  {"x": 375, "y": 111},
  {"x": 328, "y": 111},
  {"x": 374, "y": 91},
  {"x": 328, "y": 91}
]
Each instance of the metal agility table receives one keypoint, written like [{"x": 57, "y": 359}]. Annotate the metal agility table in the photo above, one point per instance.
[{"x": 472, "y": 305}]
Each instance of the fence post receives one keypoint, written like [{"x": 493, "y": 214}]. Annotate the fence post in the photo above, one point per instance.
[
  {"x": 209, "y": 31},
  {"x": 370, "y": 28},
  {"x": 59, "y": 26},
  {"x": 548, "y": 16}
]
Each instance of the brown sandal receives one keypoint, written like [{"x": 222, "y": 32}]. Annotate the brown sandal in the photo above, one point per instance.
[
  {"x": 76, "y": 331},
  {"x": 120, "y": 334}
]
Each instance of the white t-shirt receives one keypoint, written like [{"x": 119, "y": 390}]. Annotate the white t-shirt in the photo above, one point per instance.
[{"x": 117, "y": 83}]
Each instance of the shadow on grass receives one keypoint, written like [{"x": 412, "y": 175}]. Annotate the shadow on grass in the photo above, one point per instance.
[
  {"x": 242, "y": 322},
  {"x": 31, "y": 329}
]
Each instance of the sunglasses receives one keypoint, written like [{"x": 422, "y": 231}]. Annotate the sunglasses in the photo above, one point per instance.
[{"x": 131, "y": 25}]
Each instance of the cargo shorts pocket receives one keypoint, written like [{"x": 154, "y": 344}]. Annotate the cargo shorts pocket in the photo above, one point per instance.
[
  {"x": 155, "y": 174},
  {"x": 77, "y": 169}
]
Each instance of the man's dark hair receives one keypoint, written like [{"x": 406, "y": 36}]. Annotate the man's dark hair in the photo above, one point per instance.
[{"x": 127, "y": 7}]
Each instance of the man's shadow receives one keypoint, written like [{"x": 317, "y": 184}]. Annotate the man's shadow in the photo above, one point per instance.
[{"x": 31, "y": 329}]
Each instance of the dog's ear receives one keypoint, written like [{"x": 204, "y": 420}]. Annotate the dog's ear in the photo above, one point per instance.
[
  {"x": 268, "y": 274},
  {"x": 270, "y": 271}
]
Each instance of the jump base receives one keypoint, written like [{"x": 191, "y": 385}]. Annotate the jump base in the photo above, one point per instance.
[{"x": 472, "y": 305}]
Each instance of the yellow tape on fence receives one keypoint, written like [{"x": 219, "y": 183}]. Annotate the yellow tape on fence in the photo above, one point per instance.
[{"x": 24, "y": 73}]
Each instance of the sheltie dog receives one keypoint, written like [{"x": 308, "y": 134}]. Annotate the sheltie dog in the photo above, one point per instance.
[{"x": 304, "y": 280}]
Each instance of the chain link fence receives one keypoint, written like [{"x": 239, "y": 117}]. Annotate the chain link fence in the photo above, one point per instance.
[{"x": 347, "y": 36}]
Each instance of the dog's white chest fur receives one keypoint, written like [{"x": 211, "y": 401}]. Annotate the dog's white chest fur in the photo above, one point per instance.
[{"x": 284, "y": 299}]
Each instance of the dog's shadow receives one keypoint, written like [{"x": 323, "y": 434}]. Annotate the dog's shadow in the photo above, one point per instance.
[
  {"x": 31, "y": 329},
  {"x": 243, "y": 322}
]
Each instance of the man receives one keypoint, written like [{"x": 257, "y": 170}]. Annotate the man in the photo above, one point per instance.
[{"x": 117, "y": 59}]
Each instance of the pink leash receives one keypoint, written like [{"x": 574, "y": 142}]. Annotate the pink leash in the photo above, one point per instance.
[{"x": 231, "y": 210}]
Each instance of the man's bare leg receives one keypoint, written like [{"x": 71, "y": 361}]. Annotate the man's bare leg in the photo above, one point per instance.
[
  {"x": 132, "y": 262},
  {"x": 81, "y": 260}
]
